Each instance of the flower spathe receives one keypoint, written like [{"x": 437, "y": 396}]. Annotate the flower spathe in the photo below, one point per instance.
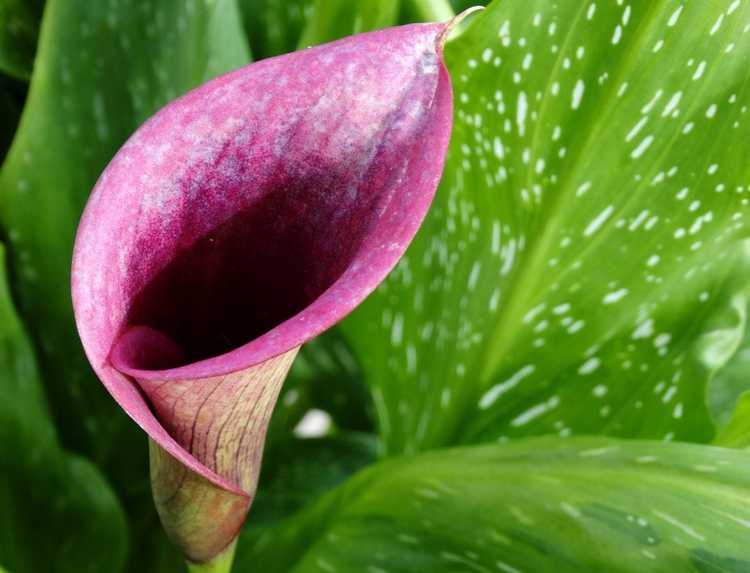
[{"x": 241, "y": 220}]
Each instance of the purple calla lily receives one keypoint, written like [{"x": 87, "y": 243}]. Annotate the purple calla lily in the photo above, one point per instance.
[{"x": 240, "y": 221}]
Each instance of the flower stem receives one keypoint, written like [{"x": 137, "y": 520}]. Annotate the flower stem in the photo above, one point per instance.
[{"x": 222, "y": 563}]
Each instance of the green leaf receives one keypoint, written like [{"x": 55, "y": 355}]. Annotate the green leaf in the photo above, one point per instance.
[
  {"x": 288, "y": 483},
  {"x": 274, "y": 27},
  {"x": 101, "y": 70},
  {"x": 533, "y": 505},
  {"x": 19, "y": 27},
  {"x": 427, "y": 10},
  {"x": 579, "y": 270},
  {"x": 736, "y": 433},
  {"x": 334, "y": 19},
  {"x": 59, "y": 514},
  {"x": 732, "y": 380}
]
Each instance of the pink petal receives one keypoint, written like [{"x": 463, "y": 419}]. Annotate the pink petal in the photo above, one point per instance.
[{"x": 244, "y": 219}]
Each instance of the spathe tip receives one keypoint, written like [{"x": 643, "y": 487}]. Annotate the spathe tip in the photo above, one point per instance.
[{"x": 454, "y": 22}]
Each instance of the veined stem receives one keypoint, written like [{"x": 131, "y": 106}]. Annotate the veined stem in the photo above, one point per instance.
[
  {"x": 222, "y": 563},
  {"x": 431, "y": 10}
]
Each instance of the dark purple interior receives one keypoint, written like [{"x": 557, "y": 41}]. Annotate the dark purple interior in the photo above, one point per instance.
[{"x": 262, "y": 266}]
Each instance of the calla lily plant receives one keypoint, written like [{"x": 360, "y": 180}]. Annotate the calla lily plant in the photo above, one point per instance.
[{"x": 240, "y": 221}]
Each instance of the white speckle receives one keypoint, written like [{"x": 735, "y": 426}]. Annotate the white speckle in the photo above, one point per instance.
[
  {"x": 636, "y": 128},
  {"x": 677, "y": 412},
  {"x": 583, "y": 188},
  {"x": 397, "y": 331},
  {"x": 600, "y": 390},
  {"x": 644, "y": 330},
  {"x": 474, "y": 275},
  {"x": 570, "y": 510},
  {"x": 642, "y": 147},
  {"x": 672, "y": 104},
  {"x": 685, "y": 528},
  {"x": 617, "y": 36},
  {"x": 491, "y": 396},
  {"x": 535, "y": 411},
  {"x": 613, "y": 297},
  {"x": 521, "y": 111},
  {"x": 578, "y": 91},
  {"x": 589, "y": 366},
  {"x": 561, "y": 309},
  {"x": 675, "y": 16},
  {"x": 699, "y": 70},
  {"x": 711, "y": 111},
  {"x": 717, "y": 25},
  {"x": 598, "y": 221},
  {"x": 662, "y": 340}
]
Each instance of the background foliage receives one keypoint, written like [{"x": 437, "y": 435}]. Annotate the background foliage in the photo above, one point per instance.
[{"x": 582, "y": 272}]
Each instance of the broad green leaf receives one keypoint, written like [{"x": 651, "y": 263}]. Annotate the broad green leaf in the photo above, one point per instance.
[
  {"x": 19, "y": 27},
  {"x": 579, "y": 270},
  {"x": 101, "y": 70},
  {"x": 58, "y": 513},
  {"x": 734, "y": 378},
  {"x": 333, "y": 19},
  {"x": 427, "y": 10},
  {"x": 289, "y": 482},
  {"x": 274, "y": 27},
  {"x": 736, "y": 433},
  {"x": 533, "y": 505}
]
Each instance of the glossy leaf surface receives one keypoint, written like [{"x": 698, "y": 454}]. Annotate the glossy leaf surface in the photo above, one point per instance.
[
  {"x": 580, "y": 271},
  {"x": 78, "y": 112},
  {"x": 58, "y": 512},
  {"x": 535, "y": 505}
]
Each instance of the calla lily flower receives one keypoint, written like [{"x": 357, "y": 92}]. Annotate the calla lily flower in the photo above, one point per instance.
[{"x": 240, "y": 221}]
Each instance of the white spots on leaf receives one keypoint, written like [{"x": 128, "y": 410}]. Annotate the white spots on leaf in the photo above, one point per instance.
[
  {"x": 617, "y": 35},
  {"x": 589, "y": 366},
  {"x": 675, "y": 16},
  {"x": 644, "y": 329},
  {"x": 699, "y": 70},
  {"x": 598, "y": 221},
  {"x": 717, "y": 25},
  {"x": 711, "y": 111},
  {"x": 591, "y": 11},
  {"x": 491, "y": 396},
  {"x": 615, "y": 296},
  {"x": 397, "y": 329},
  {"x": 600, "y": 390},
  {"x": 672, "y": 104},
  {"x": 522, "y": 108},
  {"x": 679, "y": 525},
  {"x": 577, "y": 95},
  {"x": 642, "y": 147},
  {"x": 636, "y": 129},
  {"x": 535, "y": 411}
]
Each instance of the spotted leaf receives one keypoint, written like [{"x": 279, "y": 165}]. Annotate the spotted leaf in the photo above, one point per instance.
[
  {"x": 102, "y": 69},
  {"x": 580, "y": 269},
  {"x": 534, "y": 505},
  {"x": 43, "y": 488}
]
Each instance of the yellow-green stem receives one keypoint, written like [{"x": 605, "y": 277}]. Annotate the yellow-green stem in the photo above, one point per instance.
[{"x": 222, "y": 563}]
